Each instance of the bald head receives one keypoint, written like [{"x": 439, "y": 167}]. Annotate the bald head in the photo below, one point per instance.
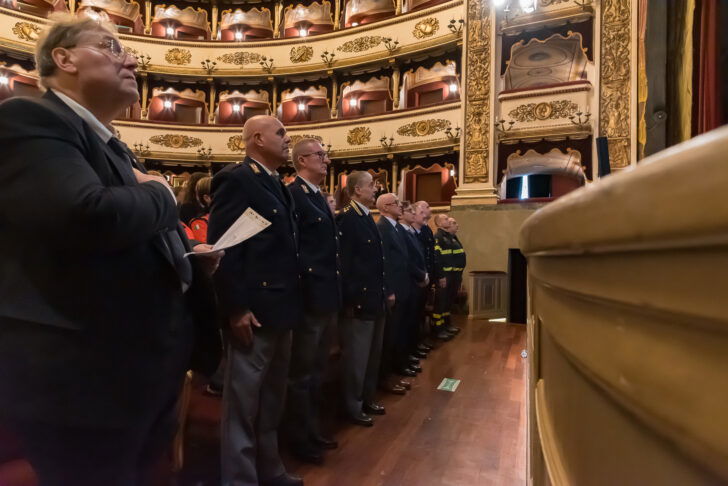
[
  {"x": 424, "y": 208},
  {"x": 442, "y": 221},
  {"x": 266, "y": 141},
  {"x": 388, "y": 205}
]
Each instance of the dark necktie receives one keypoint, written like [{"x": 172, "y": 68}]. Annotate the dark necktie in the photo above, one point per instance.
[
  {"x": 278, "y": 186},
  {"x": 319, "y": 200},
  {"x": 171, "y": 239}
]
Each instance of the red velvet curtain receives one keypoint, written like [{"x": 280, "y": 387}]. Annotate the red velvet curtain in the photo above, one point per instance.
[{"x": 709, "y": 100}]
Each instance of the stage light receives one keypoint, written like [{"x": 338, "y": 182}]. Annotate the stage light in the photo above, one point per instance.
[
  {"x": 353, "y": 103},
  {"x": 238, "y": 36},
  {"x": 301, "y": 107},
  {"x": 4, "y": 80},
  {"x": 167, "y": 104},
  {"x": 236, "y": 108}
]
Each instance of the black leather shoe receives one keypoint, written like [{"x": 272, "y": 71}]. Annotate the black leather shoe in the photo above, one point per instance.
[
  {"x": 407, "y": 372},
  {"x": 324, "y": 442},
  {"x": 395, "y": 389},
  {"x": 405, "y": 384},
  {"x": 452, "y": 329},
  {"x": 419, "y": 354},
  {"x": 424, "y": 348},
  {"x": 444, "y": 335},
  {"x": 362, "y": 419},
  {"x": 416, "y": 368},
  {"x": 413, "y": 359},
  {"x": 284, "y": 479},
  {"x": 374, "y": 409},
  {"x": 311, "y": 455}
]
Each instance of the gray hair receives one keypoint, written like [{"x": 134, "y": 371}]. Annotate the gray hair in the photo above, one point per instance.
[
  {"x": 354, "y": 180},
  {"x": 65, "y": 31},
  {"x": 298, "y": 149}
]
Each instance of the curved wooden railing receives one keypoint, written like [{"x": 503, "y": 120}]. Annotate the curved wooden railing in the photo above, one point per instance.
[{"x": 628, "y": 328}]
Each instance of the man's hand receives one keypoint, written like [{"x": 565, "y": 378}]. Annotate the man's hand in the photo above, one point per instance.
[
  {"x": 141, "y": 178},
  {"x": 390, "y": 300},
  {"x": 241, "y": 327},
  {"x": 442, "y": 282},
  {"x": 209, "y": 261}
]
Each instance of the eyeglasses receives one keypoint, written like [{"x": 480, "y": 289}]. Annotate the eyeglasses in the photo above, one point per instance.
[
  {"x": 392, "y": 204},
  {"x": 319, "y": 154},
  {"x": 109, "y": 45}
]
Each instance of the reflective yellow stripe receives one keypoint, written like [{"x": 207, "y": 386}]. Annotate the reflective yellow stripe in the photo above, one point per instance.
[
  {"x": 447, "y": 269},
  {"x": 446, "y": 252},
  {"x": 436, "y": 316},
  {"x": 459, "y": 251},
  {"x": 445, "y": 314},
  {"x": 457, "y": 269},
  {"x": 437, "y": 247}
]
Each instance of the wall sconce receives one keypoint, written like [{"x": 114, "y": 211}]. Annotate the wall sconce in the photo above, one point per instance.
[
  {"x": 328, "y": 58},
  {"x": 353, "y": 103},
  {"x": 456, "y": 26},
  {"x": 4, "y": 80},
  {"x": 209, "y": 66},
  {"x": 238, "y": 36},
  {"x": 452, "y": 134},
  {"x": 167, "y": 104},
  {"x": 580, "y": 118},
  {"x": 502, "y": 126},
  {"x": 327, "y": 148},
  {"x": 387, "y": 143},
  {"x": 170, "y": 32},
  {"x": 527, "y": 6},
  {"x": 141, "y": 149},
  {"x": 143, "y": 61},
  {"x": 204, "y": 153},
  {"x": 452, "y": 172},
  {"x": 453, "y": 87},
  {"x": 301, "y": 107},
  {"x": 236, "y": 108},
  {"x": 390, "y": 45},
  {"x": 267, "y": 64},
  {"x": 583, "y": 3},
  {"x": 355, "y": 24}
]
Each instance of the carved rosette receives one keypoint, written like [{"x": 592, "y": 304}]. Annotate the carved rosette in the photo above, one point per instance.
[
  {"x": 175, "y": 141},
  {"x": 615, "y": 89},
  {"x": 26, "y": 31},
  {"x": 423, "y": 128},
  {"x": 235, "y": 143},
  {"x": 240, "y": 58},
  {"x": 178, "y": 56},
  {"x": 477, "y": 92},
  {"x": 297, "y": 138},
  {"x": 359, "y": 136},
  {"x": 301, "y": 54},
  {"x": 426, "y": 28},
  {"x": 552, "y": 110},
  {"x": 360, "y": 44}
]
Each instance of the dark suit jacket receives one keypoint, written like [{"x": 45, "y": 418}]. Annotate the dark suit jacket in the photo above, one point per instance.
[
  {"x": 428, "y": 245},
  {"x": 94, "y": 327},
  {"x": 418, "y": 269},
  {"x": 362, "y": 263},
  {"x": 261, "y": 274},
  {"x": 396, "y": 260},
  {"x": 319, "y": 238}
]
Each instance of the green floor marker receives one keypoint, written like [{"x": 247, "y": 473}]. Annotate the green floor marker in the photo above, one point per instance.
[{"x": 449, "y": 384}]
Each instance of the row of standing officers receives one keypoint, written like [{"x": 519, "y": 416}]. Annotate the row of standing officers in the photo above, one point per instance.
[{"x": 285, "y": 289}]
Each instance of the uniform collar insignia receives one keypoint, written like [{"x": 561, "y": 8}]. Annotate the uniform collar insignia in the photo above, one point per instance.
[
  {"x": 356, "y": 208},
  {"x": 254, "y": 167},
  {"x": 305, "y": 188}
]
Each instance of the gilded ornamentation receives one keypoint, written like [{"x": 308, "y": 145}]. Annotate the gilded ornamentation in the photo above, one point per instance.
[
  {"x": 426, "y": 28},
  {"x": 236, "y": 144},
  {"x": 547, "y": 3},
  {"x": 477, "y": 92},
  {"x": 615, "y": 90},
  {"x": 359, "y": 136},
  {"x": 178, "y": 56},
  {"x": 423, "y": 128},
  {"x": 297, "y": 138},
  {"x": 240, "y": 58},
  {"x": 551, "y": 110},
  {"x": 176, "y": 141},
  {"x": 361, "y": 44},
  {"x": 26, "y": 31},
  {"x": 301, "y": 54}
]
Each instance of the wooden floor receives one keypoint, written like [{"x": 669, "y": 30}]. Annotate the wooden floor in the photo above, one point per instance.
[{"x": 429, "y": 437}]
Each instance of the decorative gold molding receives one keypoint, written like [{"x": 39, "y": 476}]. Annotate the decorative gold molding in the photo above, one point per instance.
[
  {"x": 178, "y": 56},
  {"x": 240, "y": 58},
  {"x": 301, "y": 54},
  {"x": 477, "y": 92},
  {"x": 423, "y": 128},
  {"x": 26, "y": 31},
  {"x": 615, "y": 88},
  {"x": 359, "y": 136},
  {"x": 551, "y": 110},
  {"x": 236, "y": 144},
  {"x": 361, "y": 43},
  {"x": 297, "y": 138},
  {"x": 175, "y": 141},
  {"x": 426, "y": 28}
]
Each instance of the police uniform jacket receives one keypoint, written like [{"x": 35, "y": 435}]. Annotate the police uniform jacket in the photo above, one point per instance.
[
  {"x": 320, "y": 268},
  {"x": 362, "y": 263},
  {"x": 427, "y": 239},
  {"x": 418, "y": 269},
  {"x": 262, "y": 273},
  {"x": 396, "y": 259}
]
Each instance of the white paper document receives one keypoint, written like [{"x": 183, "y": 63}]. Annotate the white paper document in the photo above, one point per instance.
[{"x": 247, "y": 225}]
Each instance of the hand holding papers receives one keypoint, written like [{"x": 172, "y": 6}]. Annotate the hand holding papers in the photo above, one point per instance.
[{"x": 246, "y": 226}]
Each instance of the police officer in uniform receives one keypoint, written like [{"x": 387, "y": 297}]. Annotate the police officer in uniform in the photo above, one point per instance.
[
  {"x": 259, "y": 289},
  {"x": 321, "y": 299},
  {"x": 434, "y": 269},
  {"x": 362, "y": 324}
]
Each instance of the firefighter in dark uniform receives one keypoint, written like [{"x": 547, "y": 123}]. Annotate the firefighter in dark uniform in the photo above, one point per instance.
[
  {"x": 443, "y": 254},
  {"x": 458, "y": 261},
  {"x": 361, "y": 325}
]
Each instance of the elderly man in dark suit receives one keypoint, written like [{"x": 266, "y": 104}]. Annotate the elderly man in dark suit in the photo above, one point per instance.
[
  {"x": 97, "y": 304},
  {"x": 362, "y": 325},
  {"x": 259, "y": 289},
  {"x": 321, "y": 300}
]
